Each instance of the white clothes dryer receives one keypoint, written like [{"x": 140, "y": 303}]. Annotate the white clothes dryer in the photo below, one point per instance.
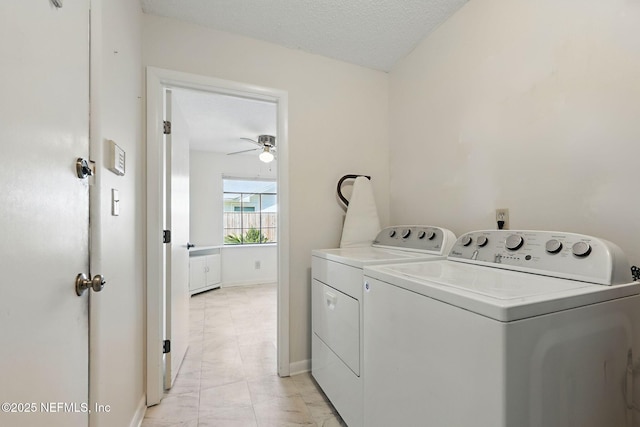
[
  {"x": 514, "y": 329},
  {"x": 336, "y": 302}
]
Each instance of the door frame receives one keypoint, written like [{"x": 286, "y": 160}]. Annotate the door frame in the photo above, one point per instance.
[{"x": 157, "y": 79}]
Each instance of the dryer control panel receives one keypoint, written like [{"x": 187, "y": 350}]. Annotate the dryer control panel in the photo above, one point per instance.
[
  {"x": 422, "y": 238},
  {"x": 550, "y": 253}
]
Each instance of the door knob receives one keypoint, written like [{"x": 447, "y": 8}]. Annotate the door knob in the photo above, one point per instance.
[
  {"x": 83, "y": 169},
  {"x": 83, "y": 283}
]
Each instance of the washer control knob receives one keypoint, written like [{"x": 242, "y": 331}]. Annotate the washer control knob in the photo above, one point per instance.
[
  {"x": 406, "y": 233},
  {"x": 392, "y": 233},
  {"x": 421, "y": 234},
  {"x": 482, "y": 241},
  {"x": 431, "y": 234},
  {"x": 553, "y": 246},
  {"x": 466, "y": 240},
  {"x": 581, "y": 249},
  {"x": 514, "y": 242}
]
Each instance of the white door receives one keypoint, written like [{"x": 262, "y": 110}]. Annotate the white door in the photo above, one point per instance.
[
  {"x": 177, "y": 292},
  {"x": 44, "y": 213}
]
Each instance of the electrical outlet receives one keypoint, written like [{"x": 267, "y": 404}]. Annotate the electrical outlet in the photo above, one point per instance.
[
  {"x": 257, "y": 265},
  {"x": 502, "y": 215}
]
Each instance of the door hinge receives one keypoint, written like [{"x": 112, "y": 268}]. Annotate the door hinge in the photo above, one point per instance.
[
  {"x": 166, "y": 236},
  {"x": 166, "y": 346},
  {"x": 166, "y": 127}
]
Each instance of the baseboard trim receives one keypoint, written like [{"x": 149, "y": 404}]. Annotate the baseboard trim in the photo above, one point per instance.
[
  {"x": 299, "y": 367},
  {"x": 249, "y": 283},
  {"x": 139, "y": 415}
]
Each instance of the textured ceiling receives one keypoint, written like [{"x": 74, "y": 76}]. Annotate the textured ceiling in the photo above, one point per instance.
[{"x": 370, "y": 33}]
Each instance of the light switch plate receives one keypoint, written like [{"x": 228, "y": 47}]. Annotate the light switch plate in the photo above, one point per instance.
[{"x": 115, "y": 202}]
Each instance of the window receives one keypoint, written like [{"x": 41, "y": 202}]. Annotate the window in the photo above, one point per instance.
[{"x": 250, "y": 211}]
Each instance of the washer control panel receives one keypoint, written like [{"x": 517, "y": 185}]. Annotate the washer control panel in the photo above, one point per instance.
[
  {"x": 565, "y": 255},
  {"x": 422, "y": 238}
]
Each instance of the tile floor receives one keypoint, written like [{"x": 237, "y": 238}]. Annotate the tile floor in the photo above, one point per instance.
[{"x": 228, "y": 377}]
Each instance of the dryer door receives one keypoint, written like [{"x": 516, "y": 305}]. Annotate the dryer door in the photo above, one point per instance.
[{"x": 336, "y": 321}]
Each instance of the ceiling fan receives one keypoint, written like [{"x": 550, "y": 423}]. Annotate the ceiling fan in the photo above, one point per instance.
[{"x": 267, "y": 144}]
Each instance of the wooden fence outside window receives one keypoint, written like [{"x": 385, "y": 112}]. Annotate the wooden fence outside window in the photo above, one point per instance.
[{"x": 238, "y": 223}]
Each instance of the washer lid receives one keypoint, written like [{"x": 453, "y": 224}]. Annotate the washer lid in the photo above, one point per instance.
[
  {"x": 499, "y": 294},
  {"x": 369, "y": 255}
]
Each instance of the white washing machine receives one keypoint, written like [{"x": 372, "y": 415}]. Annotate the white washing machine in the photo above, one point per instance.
[
  {"x": 336, "y": 301},
  {"x": 514, "y": 329}
]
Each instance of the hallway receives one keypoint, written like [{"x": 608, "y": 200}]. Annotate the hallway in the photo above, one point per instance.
[{"x": 228, "y": 377}]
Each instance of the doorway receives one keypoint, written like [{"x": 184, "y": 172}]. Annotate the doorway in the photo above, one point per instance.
[{"x": 158, "y": 81}]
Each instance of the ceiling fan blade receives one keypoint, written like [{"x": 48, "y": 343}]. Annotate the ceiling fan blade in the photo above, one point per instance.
[
  {"x": 255, "y": 142},
  {"x": 243, "y": 151}
]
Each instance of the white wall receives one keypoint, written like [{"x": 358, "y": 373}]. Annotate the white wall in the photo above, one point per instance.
[
  {"x": 238, "y": 263},
  {"x": 527, "y": 105},
  {"x": 337, "y": 125},
  {"x": 117, "y": 352}
]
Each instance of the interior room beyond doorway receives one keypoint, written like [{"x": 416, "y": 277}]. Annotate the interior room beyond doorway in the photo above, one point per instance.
[
  {"x": 232, "y": 200},
  {"x": 233, "y": 193}
]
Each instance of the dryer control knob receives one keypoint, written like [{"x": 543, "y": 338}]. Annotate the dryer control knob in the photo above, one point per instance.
[
  {"x": 482, "y": 241},
  {"x": 421, "y": 234},
  {"x": 553, "y": 246},
  {"x": 514, "y": 242},
  {"x": 431, "y": 234},
  {"x": 581, "y": 249},
  {"x": 392, "y": 233},
  {"x": 406, "y": 233},
  {"x": 466, "y": 240}
]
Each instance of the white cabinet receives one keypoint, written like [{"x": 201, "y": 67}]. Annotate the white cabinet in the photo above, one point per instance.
[{"x": 204, "y": 271}]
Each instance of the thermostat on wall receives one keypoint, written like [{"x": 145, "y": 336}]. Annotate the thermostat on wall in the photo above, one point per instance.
[{"x": 117, "y": 163}]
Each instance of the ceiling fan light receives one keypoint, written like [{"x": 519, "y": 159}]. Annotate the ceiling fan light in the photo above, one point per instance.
[{"x": 266, "y": 155}]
